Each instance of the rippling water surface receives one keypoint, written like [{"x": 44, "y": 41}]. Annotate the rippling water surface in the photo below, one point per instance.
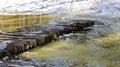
[{"x": 99, "y": 47}]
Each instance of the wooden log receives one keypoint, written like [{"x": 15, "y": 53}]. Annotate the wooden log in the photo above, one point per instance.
[{"x": 26, "y": 39}]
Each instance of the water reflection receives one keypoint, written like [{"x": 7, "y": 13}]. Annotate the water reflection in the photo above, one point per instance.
[{"x": 13, "y": 22}]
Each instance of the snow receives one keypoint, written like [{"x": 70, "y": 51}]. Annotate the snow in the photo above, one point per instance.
[
  {"x": 3, "y": 44},
  {"x": 108, "y": 6},
  {"x": 101, "y": 7}
]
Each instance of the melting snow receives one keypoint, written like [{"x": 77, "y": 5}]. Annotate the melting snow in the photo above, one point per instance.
[
  {"x": 3, "y": 44},
  {"x": 61, "y": 6}
]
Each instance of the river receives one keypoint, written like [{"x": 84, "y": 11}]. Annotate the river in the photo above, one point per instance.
[{"x": 98, "y": 47}]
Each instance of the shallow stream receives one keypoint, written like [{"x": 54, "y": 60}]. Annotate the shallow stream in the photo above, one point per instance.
[{"x": 99, "y": 47}]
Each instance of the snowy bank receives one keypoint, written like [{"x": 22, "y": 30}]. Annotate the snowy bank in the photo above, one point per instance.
[{"x": 62, "y": 6}]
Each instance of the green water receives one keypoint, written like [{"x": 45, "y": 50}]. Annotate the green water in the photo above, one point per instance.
[
  {"x": 98, "y": 52},
  {"x": 13, "y": 22},
  {"x": 99, "y": 47}
]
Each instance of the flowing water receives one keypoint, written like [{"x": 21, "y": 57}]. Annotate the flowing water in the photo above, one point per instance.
[{"x": 99, "y": 47}]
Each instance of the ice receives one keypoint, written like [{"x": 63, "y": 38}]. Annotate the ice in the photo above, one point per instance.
[
  {"x": 3, "y": 44},
  {"x": 102, "y": 7}
]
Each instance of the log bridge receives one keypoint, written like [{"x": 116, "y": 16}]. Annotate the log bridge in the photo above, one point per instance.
[{"x": 13, "y": 43}]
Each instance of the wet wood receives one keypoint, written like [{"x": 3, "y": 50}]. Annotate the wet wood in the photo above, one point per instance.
[{"x": 30, "y": 37}]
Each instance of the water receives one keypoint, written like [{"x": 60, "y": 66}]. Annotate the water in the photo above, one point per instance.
[
  {"x": 13, "y": 22},
  {"x": 99, "y": 47}
]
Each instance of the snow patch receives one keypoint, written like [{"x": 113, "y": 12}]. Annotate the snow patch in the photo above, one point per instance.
[
  {"x": 101, "y": 7},
  {"x": 3, "y": 44}
]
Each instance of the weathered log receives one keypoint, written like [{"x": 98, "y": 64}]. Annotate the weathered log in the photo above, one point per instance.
[{"x": 23, "y": 40}]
